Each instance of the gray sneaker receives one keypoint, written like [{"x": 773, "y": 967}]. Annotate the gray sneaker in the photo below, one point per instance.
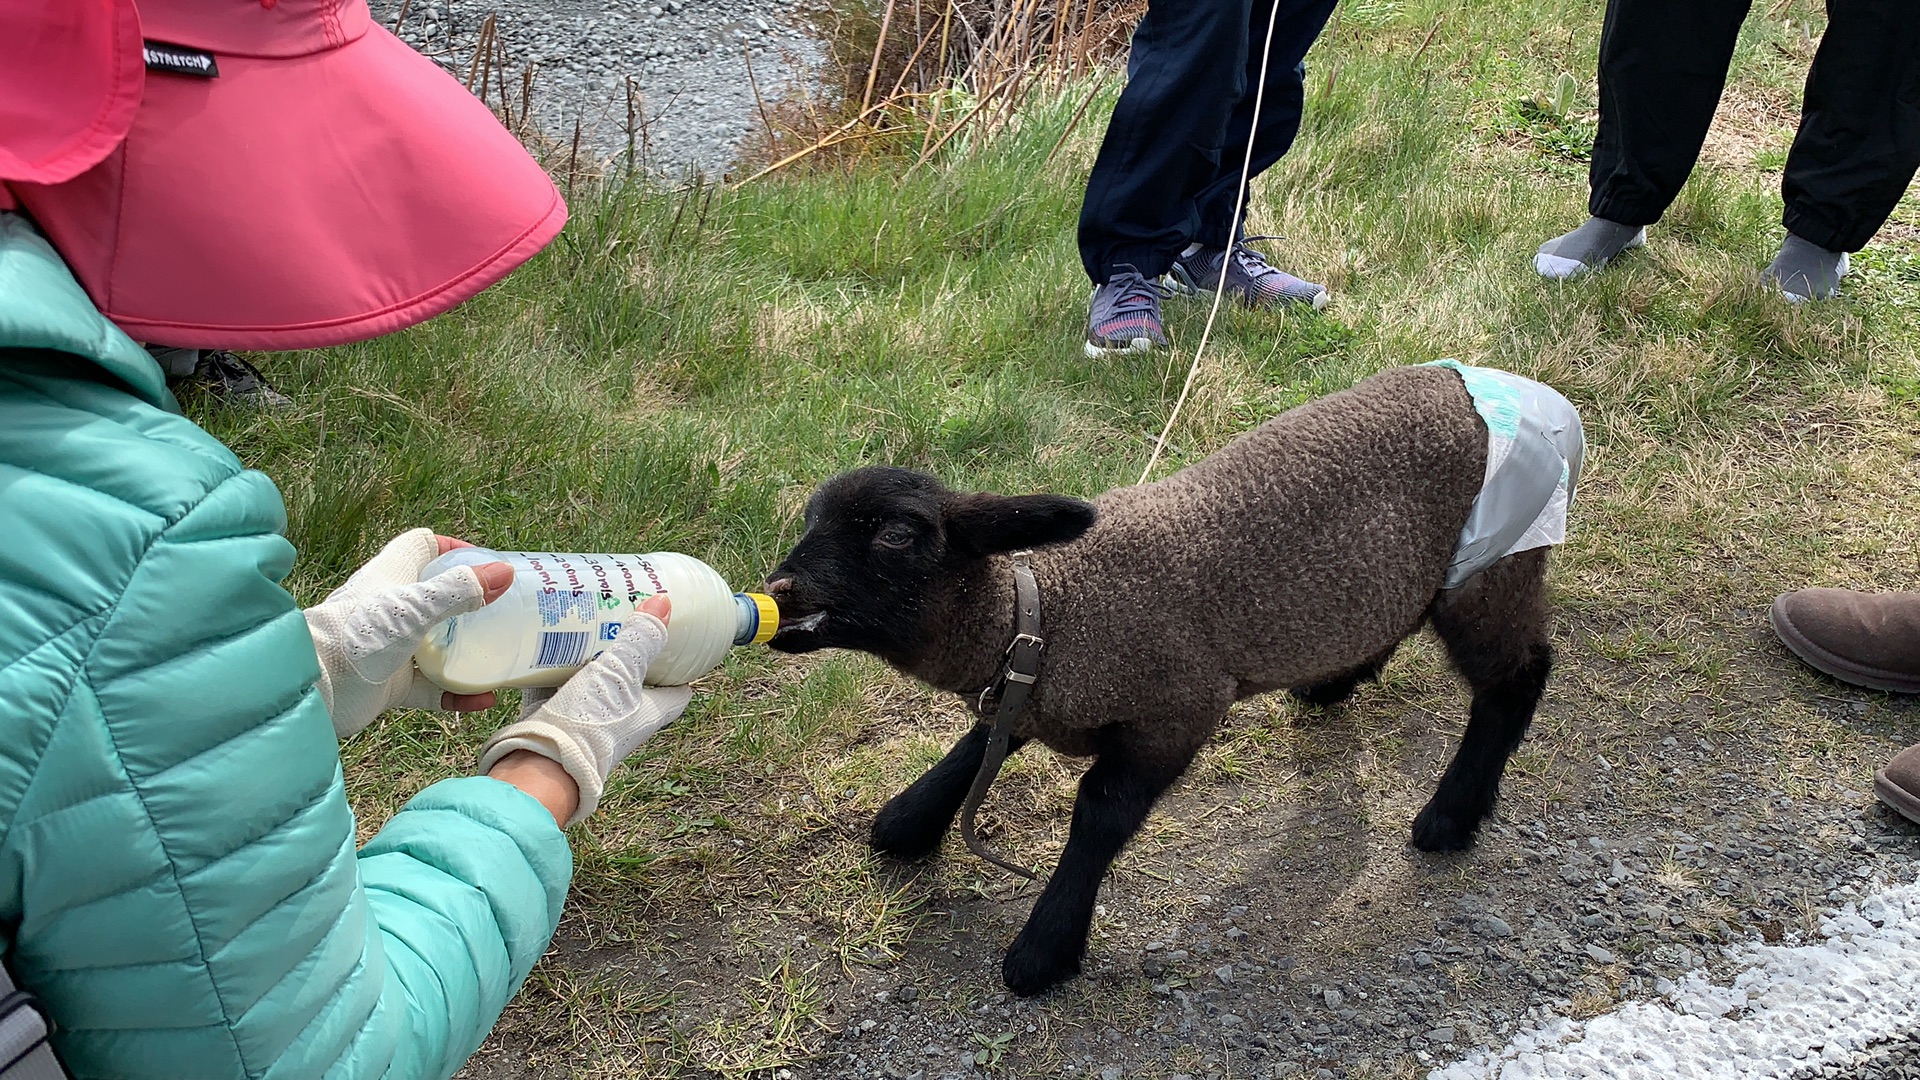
[
  {"x": 1251, "y": 279},
  {"x": 1125, "y": 315},
  {"x": 1586, "y": 249},
  {"x": 229, "y": 379}
]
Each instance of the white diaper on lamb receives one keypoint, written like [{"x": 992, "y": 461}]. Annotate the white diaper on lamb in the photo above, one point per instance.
[{"x": 1534, "y": 450}]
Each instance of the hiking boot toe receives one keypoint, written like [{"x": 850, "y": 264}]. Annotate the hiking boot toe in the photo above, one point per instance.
[
  {"x": 1867, "y": 639},
  {"x": 1898, "y": 783}
]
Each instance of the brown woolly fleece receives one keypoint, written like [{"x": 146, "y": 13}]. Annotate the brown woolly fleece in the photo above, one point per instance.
[{"x": 1301, "y": 551}]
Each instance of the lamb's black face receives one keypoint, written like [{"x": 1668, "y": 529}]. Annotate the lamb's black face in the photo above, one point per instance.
[
  {"x": 873, "y": 545},
  {"x": 879, "y": 543}
]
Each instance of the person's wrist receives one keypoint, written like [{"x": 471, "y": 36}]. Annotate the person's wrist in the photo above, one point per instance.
[
  {"x": 560, "y": 741},
  {"x": 541, "y": 777}
]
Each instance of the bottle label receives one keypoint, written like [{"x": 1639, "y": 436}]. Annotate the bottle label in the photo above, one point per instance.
[{"x": 583, "y": 600}]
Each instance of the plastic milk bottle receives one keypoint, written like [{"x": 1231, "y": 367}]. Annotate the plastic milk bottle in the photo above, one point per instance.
[{"x": 563, "y": 610}]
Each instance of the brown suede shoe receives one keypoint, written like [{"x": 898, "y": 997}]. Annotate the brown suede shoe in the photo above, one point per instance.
[
  {"x": 1898, "y": 785},
  {"x": 1868, "y": 639}
]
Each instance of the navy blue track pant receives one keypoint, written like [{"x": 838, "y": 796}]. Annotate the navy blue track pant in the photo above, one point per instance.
[
  {"x": 1170, "y": 164},
  {"x": 1663, "y": 64}
]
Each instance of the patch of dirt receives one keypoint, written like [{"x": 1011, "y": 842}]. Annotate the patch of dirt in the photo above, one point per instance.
[
  {"x": 1898, "y": 232},
  {"x": 1752, "y": 125}
]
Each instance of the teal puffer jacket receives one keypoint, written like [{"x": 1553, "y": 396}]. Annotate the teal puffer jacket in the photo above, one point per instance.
[{"x": 178, "y": 879}]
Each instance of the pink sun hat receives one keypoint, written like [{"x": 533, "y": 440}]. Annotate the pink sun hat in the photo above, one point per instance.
[{"x": 294, "y": 177}]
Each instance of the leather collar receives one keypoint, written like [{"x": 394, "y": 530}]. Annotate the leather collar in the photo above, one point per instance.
[{"x": 1019, "y": 671}]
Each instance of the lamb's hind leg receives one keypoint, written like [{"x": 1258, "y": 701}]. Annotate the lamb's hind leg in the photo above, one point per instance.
[
  {"x": 1114, "y": 798},
  {"x": 1495, "y": 629},
  {"x": 911, "y": 824}
]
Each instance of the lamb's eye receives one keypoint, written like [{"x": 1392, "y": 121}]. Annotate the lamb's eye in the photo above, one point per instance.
[{"x": 895, "y": 536}]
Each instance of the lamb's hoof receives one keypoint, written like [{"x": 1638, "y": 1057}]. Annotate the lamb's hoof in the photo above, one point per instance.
[
  {"x": 1034, "y": 967},
  {"x": 1440, "y": 830},
  {"x": 905, "y": 835}
]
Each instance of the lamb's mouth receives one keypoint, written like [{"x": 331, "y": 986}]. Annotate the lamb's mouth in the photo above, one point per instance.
[
  {"x": 792, "y": 632},
  {"x": 805, "y": 622}
]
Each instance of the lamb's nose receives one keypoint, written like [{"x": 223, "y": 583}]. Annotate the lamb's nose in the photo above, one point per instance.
[{"x": 779, "y": 587}]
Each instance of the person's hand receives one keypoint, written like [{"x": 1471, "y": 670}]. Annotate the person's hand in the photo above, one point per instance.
[
  {"x": 602, "y": 714},
  {"x": 366, "y": 631}
]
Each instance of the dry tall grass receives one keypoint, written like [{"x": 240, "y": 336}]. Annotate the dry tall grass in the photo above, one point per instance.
[{"x": 910, "y": 77}]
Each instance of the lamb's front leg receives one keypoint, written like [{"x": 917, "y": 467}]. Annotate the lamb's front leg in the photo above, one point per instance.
[
  {"x": 1114, "y": 798},
  {"x": 911, "y": 824}
]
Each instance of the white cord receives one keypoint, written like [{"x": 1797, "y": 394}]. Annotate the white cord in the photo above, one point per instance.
[{"x": 1220, "y": 289}]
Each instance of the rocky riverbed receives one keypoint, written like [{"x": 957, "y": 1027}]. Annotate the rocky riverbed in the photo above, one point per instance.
[{"x": 687, "y": 60}]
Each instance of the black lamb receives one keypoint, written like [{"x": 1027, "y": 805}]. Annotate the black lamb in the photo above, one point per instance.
[{"x": 1298, "y": 557}]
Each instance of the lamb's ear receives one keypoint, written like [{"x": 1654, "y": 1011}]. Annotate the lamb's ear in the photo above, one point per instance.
[{"x": 983, "y": 524}]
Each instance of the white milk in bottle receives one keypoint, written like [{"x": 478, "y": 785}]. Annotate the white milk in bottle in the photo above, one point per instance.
[{"x": 563, "y": 610}]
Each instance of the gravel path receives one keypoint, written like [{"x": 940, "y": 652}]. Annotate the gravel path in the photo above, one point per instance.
[
  {"x": 1843, "y": 1004},
  {"x": 687, "y": 59},
  {"x": 1569, "y": 923},
  {"x": 1899, "y": 1060}
]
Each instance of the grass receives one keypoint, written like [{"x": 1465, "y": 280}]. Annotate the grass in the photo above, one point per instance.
[{"x": 682, "y": 366}]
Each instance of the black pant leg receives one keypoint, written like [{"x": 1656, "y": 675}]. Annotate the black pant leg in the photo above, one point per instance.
[
  {"x": 1163, "y": 143},
  {"x": 1296, "y": 25},
  {"x": 1663, "y": 64},
  {"x": 1859, "y": 139}
]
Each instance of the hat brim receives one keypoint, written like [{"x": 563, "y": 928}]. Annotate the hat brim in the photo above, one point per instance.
[
  {"x": 300, "y": 202},
  {"x": 70, "y": 78}
]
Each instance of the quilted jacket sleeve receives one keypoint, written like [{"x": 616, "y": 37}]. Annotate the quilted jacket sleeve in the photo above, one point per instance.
[
  {"x": 178, "y": 873},
  {"x": 466, "y": 885}
]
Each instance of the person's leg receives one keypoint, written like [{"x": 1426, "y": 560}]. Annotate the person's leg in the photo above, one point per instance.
[
  {"x": 1296, "y": 25},
  {"x": 1218, "y": 250},
  {"x": 1663, "y": 64},
  {"x": 1858, "y": 145},
  {"x": 1162, "y": 144}
]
